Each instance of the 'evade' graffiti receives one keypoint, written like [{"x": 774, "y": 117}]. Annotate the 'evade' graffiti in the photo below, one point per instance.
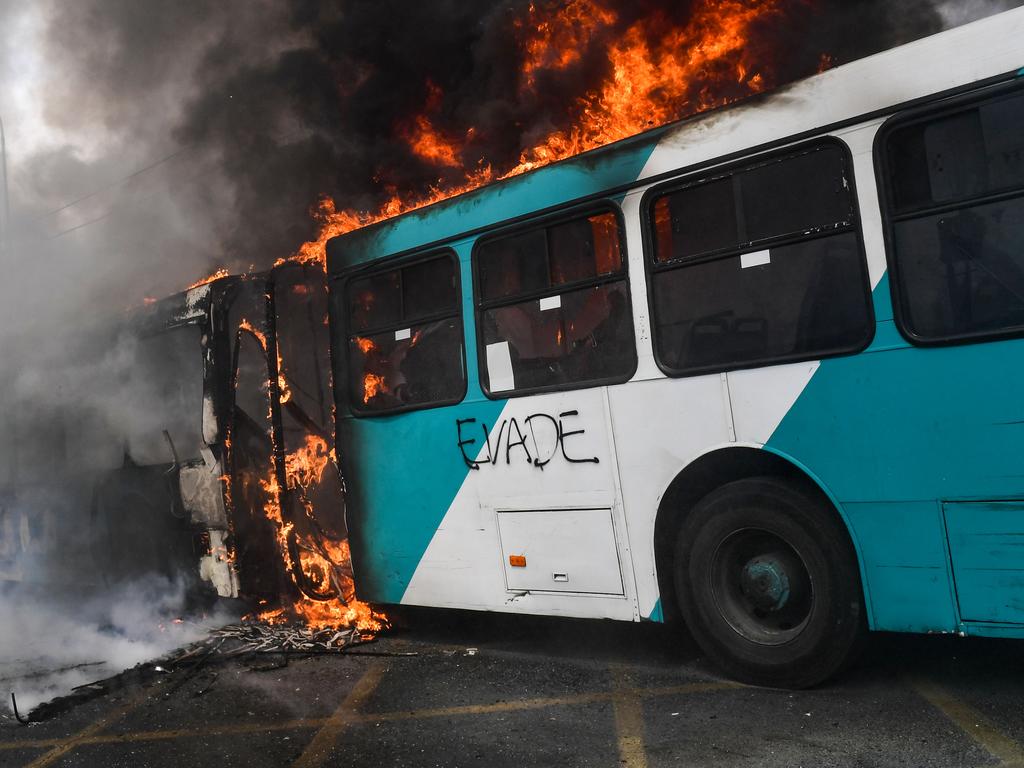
[{"x": 515, "y": 438}]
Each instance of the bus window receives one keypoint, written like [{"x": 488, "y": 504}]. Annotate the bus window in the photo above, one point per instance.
[
  {"x": 956, "y": 208},
  {"x": 554, "y": 307},
  {"x": 405, "y": 337},
  {"x": 762, "y": 264}
]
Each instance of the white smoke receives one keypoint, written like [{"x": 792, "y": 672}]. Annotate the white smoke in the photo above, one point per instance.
[{"x": 51, "y": 643}]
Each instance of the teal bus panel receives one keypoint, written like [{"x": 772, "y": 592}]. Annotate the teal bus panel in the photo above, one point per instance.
[{"x": 986, "y": 544}]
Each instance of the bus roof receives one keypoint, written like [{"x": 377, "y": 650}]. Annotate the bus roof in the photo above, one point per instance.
[{"x": 870, "y": 87}]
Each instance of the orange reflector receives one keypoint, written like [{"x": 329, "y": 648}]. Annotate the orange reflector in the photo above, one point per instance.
[{"x": 517, "y": 561}]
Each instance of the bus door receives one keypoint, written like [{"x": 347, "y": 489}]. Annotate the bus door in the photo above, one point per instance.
[
  {"x": 252, "y": 490},
  {"x": 313, "y": 495}
]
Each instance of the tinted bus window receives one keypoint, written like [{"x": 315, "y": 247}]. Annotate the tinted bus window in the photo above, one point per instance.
[
  {"x": 554, "y": 307},
  {"x": 762, "y": 264},
  {"x": 956, "y": 208},
  {"x": 405, "y": 337}
]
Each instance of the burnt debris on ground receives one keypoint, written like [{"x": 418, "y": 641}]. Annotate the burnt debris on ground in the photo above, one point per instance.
[{"x": 194, "y": 662}]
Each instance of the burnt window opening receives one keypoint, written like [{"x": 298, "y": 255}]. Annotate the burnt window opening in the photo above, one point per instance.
[
  {"x": 164, "y": 392},
  {"x": 955, "y": 204},
  {"x": 761, "y": 264},
  {"x": 301, "y": 331},
  {"x": 405, "y": 337},
  {"x": 554, "y": 307},
  {"x": 252, "y": 388}
]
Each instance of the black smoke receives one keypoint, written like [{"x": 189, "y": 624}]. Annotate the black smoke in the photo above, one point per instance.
[
  {"x": 367, "y": 67},
  {"x": 278, "y": 102}
]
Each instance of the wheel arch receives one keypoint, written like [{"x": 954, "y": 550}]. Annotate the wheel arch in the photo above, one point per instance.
[{"x": 724, "y": 465}]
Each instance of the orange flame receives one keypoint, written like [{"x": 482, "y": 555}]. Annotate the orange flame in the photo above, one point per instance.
[
  {"x": 209, "y": 278},
  {"x": 555, "y": 44},
  {"x": 261, "y": 337},
  {"x": 657, "y": 73},
  {"x": 431, "y": 145},
  {"x": 373, "y": 385},
  {"x": 325, "y": 562},
  {"x": 284, "y": 390}
]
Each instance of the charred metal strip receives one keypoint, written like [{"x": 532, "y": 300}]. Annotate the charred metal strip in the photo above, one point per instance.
[{"x": 17, "y": 715}]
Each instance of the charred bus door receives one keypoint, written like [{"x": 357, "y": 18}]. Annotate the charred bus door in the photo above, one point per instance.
[{"x": 312, "y": 490}]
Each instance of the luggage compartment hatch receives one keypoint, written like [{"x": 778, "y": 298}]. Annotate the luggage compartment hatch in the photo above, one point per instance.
[{"x": 564, "y": 550}]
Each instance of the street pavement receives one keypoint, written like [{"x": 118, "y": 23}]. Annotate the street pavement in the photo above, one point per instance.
[{"x": 493, "y": 690}]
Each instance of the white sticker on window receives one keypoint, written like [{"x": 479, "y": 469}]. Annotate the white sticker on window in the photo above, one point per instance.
[
  {"x": 551, "y": 302},
  {"x": 499, "y": 367},
  {"x": 755, "y": 259},
  {"x": 403, "y": 334}
]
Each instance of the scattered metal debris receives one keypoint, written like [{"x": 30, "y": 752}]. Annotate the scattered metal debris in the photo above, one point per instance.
[{"x": 240, "y": 639}]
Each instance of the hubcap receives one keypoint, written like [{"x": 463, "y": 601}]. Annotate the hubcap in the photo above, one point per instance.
[
  {"x": 761, "y": 586},
  {"x": 765, "y": 583}
]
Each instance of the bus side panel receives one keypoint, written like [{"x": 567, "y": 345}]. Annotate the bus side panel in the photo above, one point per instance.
[
  {"x": 544, "y": 459},
  {"x": 894, "y": 431},
  {"x": 404, "y": 472}
]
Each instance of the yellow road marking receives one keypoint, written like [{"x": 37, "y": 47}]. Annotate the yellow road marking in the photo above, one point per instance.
[
  {"x": 629, "y": 721},
  {"x": 973, "y": 723},
  {"x": 324, "y": 740},
  {"x": 233, "y": 729},
  {"x": 89, "y": 732}
]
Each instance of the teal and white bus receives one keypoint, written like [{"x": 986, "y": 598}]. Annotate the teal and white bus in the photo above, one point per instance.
[{"x": 763, "y": 368}]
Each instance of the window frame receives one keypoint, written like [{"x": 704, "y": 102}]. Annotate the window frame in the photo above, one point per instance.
[
  {"x": 544, "y": 221},
  {"x": 382, "y": 266},
  {"x": 925, "y": 113},
  {"x": 709, "y": 173}
]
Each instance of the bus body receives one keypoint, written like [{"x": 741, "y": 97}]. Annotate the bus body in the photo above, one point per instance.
[{"x": 553, "y": 393}]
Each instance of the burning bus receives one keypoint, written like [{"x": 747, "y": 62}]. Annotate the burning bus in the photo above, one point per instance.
[
  {"x": 756, "y": 369},
  {"x": 759, "y": 369}
]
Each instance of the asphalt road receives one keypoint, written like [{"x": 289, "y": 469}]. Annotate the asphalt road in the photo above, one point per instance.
[{"x": 516, "y": 691}]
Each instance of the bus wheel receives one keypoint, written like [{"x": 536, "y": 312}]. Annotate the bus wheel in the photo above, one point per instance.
[{"x": 768, "y": 584}]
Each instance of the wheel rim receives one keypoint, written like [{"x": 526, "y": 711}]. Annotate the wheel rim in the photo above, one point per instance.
[{"x": 762, "y": 586}]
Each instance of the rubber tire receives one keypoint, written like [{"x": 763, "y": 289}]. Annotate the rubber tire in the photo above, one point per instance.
[{"x": 835, "y": 627}]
